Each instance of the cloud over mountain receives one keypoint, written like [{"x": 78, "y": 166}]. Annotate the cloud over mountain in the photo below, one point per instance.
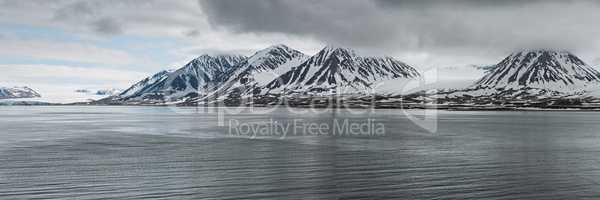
[{"x": 459, "y": 26}]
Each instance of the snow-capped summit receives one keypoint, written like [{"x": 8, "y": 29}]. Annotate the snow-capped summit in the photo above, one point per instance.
[
  {"x": 271, "y": 57},
  {"x": 534, "y": 74},
  {"x": 541, "y": 69},
  {"x": 17, "y": 92},
  {"x": 339, "y": 51},
  {"x": 343, "y": 70},
  {"x": 200, "y": 75},
  {"x": 253, "y": 74},
  {"x": 212, "y": 66}
]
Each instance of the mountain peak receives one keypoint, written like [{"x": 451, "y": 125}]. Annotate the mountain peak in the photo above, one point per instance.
[
  {"x": 279, "y": 46},
  {"x": 341, "y": 53},
  {"x": 538, "y": 52},
  {"x": 276, "y": 50},
  {"x": 342, "y": 68},
  {"x": 338, "y": 49},
  {"x": 17, "y": 92},
  {"x": 273, "y": 56},
  {"x": 544, "y": 69},
  {"x": 220, "y": 56},
  {"x": 217, "y": 60},
  {"x": 198, "y": 75}
]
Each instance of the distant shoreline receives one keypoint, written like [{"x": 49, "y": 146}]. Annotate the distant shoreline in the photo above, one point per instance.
[{"x": 428, "y": 107}]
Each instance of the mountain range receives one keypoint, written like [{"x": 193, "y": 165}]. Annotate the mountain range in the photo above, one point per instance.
[
  {"x": 276, "y": 70},
  {"x": 17, "y": 92},
  {"x": 100, "y": 92},
  {"x": 251, "y": 76},
  {"x": 534, "y": 75},
  {"x": 280, "y": 71},
  {"x": 199, "y": 76},
  {"x": 341, "y": 70}
]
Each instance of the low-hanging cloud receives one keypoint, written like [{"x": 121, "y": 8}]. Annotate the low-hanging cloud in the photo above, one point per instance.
[
  {"x": 455, "y": 26},
  {"x": 420, "y": 32}
]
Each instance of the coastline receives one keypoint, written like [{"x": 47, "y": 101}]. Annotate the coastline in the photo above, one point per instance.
[{"x": 452, "y": 108}]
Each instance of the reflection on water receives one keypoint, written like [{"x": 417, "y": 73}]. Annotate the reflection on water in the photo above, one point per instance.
[{"x": 168, "y": 153}]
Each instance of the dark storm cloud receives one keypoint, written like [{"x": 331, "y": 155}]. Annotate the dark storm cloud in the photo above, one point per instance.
[
  {"x": 474, "y": 3},
  {"x": 327, "y": 20},
  {"x": 454, "y": 25}
]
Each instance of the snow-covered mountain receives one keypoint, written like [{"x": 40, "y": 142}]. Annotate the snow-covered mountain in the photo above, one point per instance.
[
  {"x": 146, "y": 86},
  {"x": 535, "y": 74},
  {"x": 275, "y": 70},
  {"x": 100, "y": 92},
  {"x": 341, "y": 70},
  {"x": 201, "y": 75},
  {"x": 279, "y": 71},
  {"x": 17, "y": 92},
  {"x": 108, "y": 92},
  {"x": 253, "y": 74},
  {"x": 553, "y": 70}
]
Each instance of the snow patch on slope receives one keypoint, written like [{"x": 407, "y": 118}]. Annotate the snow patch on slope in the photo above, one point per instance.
[{"x": 342, "y": 71}]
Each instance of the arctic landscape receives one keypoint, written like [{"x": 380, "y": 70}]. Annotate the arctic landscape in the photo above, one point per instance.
[
  {"x": 305, "y": 99},
  {"x": 341, "y": 77}
]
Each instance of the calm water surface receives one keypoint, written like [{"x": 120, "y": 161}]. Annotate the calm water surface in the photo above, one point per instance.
[{"x": 181, "y": 153}]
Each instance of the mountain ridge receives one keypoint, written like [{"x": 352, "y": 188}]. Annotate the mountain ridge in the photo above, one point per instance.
[
  {"x": 533, "y": 74},
  {"x": 199, "y": 75},
  {"x": 543, "y": 69},
  {"x": 278, "y": 72},
  {"x": 337, "y": 66},
  {"x": 332, "y": 69},
  {"x": 18, "y": 93}
]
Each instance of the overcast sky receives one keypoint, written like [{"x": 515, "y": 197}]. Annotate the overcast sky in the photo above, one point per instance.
[{"x": 113, "y": 43}]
